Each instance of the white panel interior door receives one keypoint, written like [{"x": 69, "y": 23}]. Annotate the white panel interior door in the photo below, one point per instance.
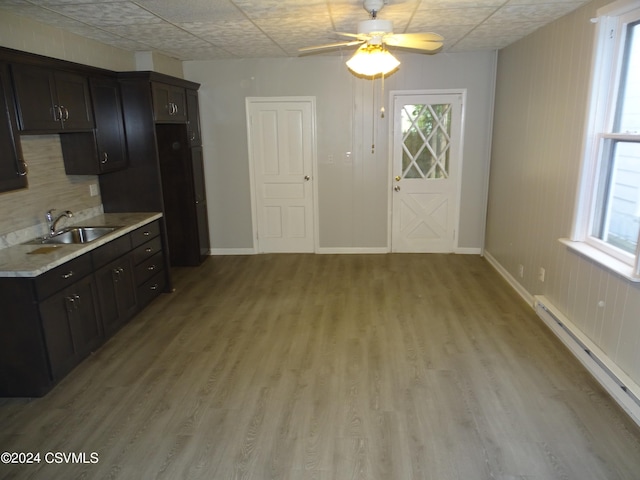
[
  {"x": 281, "y": 145},
  {"x": 427, "y": 139}
]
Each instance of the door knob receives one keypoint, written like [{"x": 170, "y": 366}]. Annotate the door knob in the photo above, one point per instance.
[
  {"x": 397, "y": 188},
  {"x": 398, "y": 178},
  {"x": 307, "y": 178}
]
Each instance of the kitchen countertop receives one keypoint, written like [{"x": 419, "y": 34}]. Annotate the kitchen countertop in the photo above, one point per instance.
[{"x": 21, "y": 261}]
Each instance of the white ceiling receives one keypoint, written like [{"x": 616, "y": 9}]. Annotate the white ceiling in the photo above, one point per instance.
[{"x": 210, "y": 29}]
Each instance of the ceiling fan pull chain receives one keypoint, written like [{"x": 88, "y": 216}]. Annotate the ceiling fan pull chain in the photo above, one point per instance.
[
  {"x": 382, "y": 98},
  {"x": 373, "y": 116}
]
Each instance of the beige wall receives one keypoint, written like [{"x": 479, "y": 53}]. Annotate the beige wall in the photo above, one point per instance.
[
  {"x": 353, "y": 193},
  {"x": 541, "y": 103}
]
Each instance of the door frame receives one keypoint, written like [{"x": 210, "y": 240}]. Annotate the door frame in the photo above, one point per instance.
[
  {"x": 393, "y": 94},
  {"x": 314, "y": 165}
]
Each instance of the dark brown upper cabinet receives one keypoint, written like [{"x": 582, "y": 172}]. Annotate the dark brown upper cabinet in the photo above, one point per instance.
[
  {"x": 169, "y": 103},
  {"x": 50, "y": 100},
  {"x": 193, "y": 118},
  {"x": 13, "y": 171},
  {"x": 105, "y": 149}
]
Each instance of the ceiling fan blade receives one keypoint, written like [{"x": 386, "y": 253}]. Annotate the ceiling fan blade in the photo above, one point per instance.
[
  {"x": 329, "y": 46},
  {"x": 359, "y": 36},
  {"x": 429, "y": 42}
]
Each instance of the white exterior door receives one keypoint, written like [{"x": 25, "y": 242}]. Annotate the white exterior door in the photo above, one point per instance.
[
  {"x": 282, "y": 152},
  {"x": 426, "y": 164}
]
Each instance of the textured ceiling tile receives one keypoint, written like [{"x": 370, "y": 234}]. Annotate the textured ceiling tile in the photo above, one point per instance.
[
  {"x": 193, "y": 10},
  {"x": 286, "y": 25},
  {"x": 458, "y": 16},
  {"x": 445, "y": 4},
  {"x": 263, "y": 28},
  {"x": 257, "y": 51},
  {"x": 533, "y": 13},
  {"x": 226, "y": 33},
  {"x": 47, "y": 3},
  {"x": 536, "y": 2},
  {"x": 261, "y": 9},
  {"x": 13, "y": 3},
  {"x": 44, "y": 16},
  {"x": 471, "y": 43},
  {"x": 108, "y": 14},
  {"x": 511, "y": 30},
  {"x": 157, "y": 34}
]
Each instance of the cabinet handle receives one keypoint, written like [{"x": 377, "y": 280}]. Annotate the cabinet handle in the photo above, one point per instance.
[
  {"x": 146, "y": 234},
  {"x": 116, "y": 274},
  {"x": 66, "y": 114},
  {"x": 105, "y": 158},
  {"x": 154, "y": 286},
  {"x": 73, "y": 302},
  {"x": 148, "y": 250},
  {"x": 56, "y": 111},
  {"x": 66, "y": 276},
  {"x": 24, "y": 170},
  {"x": 151, "y": 268}
]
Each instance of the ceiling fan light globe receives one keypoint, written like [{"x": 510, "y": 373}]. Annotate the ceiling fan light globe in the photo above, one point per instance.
[{"x": 372, "y": 60}]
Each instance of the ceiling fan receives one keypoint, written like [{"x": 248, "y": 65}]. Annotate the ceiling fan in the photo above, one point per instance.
[{"x": 375, "y": 34}]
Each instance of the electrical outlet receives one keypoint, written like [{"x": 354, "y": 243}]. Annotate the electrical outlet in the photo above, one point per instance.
[
  {"x": 521, "y": 271},
  {"x": 93, "y": 190},
  {"x": 541, "y": 274}
]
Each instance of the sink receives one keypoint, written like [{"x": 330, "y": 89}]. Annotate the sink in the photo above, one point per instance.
[{"x": 75, "y": 235}]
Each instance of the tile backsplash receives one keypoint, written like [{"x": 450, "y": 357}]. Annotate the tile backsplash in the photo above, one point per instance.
[{"x": 48, "y": 187}]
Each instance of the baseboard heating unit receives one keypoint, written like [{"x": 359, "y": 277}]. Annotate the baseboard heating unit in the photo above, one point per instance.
[{"x": 622, "y": 388}]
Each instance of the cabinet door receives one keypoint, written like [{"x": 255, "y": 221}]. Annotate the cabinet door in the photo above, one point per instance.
[
  {"x": 12, "y": 168},
  {"x": 117, "y": 293},
  {"x": 201, "y": 200},
  {"x": 74, "y": 100},
  {"x": 193, "y": 119},
  {"x": 110, "y": 136},
  {"x": 51, "y": 101},
  {"x": 71, "y": 327},
  {"x": 36, "y": 98},
  {"x": 169, "y": 103}
]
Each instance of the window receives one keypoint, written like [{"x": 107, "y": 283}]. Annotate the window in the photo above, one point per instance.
[{"x": 608, "y": 214}]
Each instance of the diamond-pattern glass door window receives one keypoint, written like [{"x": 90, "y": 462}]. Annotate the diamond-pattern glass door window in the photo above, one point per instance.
[{"x": 426, "y": 138}]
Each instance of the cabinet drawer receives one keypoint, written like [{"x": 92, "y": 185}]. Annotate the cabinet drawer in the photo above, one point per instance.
[
  {"x": 63, "y": 276},
  {"x": 151, "y": 288},
  {"x": 149, "y": 268},
  {"x": 145, "y": 233},
  {"x": 110, "y": 251},
  {"x": 147, "y": 250}
]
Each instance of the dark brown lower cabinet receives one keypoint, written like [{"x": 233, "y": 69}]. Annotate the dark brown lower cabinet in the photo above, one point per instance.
[
  {"x": 51, "y": 322},
  {"x": 117, "y": 292},
  {"x": 71, "y": 326}
]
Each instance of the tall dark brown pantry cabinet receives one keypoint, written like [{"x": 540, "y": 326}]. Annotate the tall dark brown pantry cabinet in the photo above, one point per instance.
[{"x": 166, "y": 172}]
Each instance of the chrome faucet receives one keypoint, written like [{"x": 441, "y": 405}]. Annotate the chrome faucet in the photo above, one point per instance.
[{"x": 51, "y": 222}]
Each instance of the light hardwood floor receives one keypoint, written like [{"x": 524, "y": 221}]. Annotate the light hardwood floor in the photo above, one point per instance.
[{"x": 372, "y": 367}]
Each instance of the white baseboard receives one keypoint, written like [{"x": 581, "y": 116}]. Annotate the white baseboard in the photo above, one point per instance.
[
  {"x": 509, "y": 278},
  {"x": 352, "y": 250},
  {"x": 232, "y": 251},
  {"x": 619, "y": 385},
  {"x": 468, "y": 251}
]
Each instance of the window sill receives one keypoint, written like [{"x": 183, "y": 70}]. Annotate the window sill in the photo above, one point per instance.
[{"x": 601, "y": 258}]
